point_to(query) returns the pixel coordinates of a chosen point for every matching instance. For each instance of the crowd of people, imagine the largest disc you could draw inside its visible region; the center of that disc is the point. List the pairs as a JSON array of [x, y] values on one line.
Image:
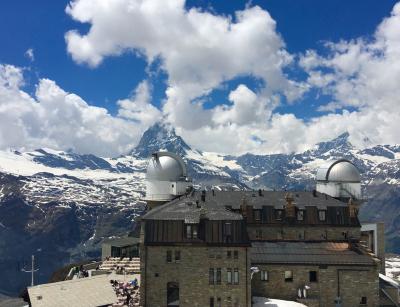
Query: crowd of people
[[127, 293]]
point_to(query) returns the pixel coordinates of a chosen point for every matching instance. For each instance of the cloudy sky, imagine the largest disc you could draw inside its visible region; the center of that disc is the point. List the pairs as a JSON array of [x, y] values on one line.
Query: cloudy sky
[[232, 77]]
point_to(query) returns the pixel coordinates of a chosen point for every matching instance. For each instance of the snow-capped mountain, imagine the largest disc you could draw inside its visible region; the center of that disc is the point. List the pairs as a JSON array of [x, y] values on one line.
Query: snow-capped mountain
[[61, 205]]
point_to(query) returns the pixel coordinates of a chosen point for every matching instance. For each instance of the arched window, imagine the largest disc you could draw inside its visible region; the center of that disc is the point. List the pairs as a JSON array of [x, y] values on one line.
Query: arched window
[[173, 294]]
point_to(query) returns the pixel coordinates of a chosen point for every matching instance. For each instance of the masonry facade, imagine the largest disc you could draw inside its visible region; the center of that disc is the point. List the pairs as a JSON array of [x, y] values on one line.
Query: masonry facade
[[219, 248]]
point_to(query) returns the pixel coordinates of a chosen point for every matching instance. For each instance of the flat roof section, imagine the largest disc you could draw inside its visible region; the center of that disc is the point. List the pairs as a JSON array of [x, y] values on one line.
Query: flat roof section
[[328, 253], [121, 242], [83, 292]]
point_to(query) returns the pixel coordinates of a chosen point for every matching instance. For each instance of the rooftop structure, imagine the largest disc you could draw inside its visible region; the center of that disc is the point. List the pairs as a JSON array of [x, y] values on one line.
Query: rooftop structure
[[339, 179], [166, 178], [120, 247]]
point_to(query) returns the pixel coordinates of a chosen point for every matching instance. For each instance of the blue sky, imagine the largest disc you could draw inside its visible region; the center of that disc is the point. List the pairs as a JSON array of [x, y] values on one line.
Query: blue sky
[[301, 26]]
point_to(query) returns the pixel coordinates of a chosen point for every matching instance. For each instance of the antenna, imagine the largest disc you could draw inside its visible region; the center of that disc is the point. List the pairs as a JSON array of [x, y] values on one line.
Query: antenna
[[32, 270]]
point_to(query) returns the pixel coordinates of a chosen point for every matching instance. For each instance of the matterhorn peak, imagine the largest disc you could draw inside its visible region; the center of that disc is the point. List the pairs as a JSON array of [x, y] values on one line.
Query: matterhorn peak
[[160, 136]]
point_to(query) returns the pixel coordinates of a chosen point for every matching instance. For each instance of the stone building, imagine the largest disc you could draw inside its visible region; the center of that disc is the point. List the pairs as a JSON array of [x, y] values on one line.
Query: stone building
[[220, 248]]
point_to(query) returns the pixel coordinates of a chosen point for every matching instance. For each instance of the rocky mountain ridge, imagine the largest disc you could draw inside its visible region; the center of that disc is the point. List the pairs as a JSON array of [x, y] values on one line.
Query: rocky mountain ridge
[[60, 205]]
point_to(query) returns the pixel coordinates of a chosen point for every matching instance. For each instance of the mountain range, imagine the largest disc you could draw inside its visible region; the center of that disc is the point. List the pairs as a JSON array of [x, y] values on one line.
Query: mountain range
[[60, 205]]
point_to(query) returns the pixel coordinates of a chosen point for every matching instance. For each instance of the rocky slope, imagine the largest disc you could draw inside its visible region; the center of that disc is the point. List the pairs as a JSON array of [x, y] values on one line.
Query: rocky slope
[[61, 205]]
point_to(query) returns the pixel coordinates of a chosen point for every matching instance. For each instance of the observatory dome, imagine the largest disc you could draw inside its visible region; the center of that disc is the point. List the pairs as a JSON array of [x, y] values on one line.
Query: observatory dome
[[165, 168], [339, 171], [166, 178], [339, 179]]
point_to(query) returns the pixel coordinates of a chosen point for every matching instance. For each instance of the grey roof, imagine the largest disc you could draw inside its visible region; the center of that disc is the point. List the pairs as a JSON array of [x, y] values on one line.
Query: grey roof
[[120, 242], [307, 253], [83, 292], [185, 208], [339, 171], [276, 199], [165, 166], [214, 207]]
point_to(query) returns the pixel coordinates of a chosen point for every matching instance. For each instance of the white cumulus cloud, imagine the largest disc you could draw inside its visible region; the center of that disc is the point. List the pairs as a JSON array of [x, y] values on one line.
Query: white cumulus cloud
[[57, 119], [198, 50]]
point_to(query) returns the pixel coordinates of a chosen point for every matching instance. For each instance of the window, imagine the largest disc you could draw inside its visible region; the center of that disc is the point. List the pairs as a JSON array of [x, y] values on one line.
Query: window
[[313, 276], [264, 275], [228, 232], [191, 231], [218, 276], [169, 256], [257, 215], [363, 300], [188, 231], [177, 256], [322, 215], [339, 216], [278, 214], [211, 276], [288, 276], [229, 254], [300, 215], [228, 229], [229, 276], [236, 276], [211, 302], [236, 254]]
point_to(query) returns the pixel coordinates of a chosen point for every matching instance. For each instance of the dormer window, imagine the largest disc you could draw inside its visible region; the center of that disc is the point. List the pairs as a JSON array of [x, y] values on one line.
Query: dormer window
[[300, 215], [191, 231], [278, 214], [322, 215], [228, 232]]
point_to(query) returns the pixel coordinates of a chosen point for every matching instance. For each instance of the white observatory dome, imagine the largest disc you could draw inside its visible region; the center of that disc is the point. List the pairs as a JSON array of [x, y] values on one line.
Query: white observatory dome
[[165, 168], [339, 179], [339, 171], [166, 178]]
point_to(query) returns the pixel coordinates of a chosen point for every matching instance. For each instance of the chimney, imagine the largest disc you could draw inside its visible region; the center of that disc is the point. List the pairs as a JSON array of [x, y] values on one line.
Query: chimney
[[213, 192], [203, 195], [260, 192], [290, 207], [314, 193], [243, 206], [353, 208]]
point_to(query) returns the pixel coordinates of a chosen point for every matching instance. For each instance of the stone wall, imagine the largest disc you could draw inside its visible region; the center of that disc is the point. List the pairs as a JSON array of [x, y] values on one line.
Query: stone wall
[[302, 233], [354, 283], [192, 275]]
